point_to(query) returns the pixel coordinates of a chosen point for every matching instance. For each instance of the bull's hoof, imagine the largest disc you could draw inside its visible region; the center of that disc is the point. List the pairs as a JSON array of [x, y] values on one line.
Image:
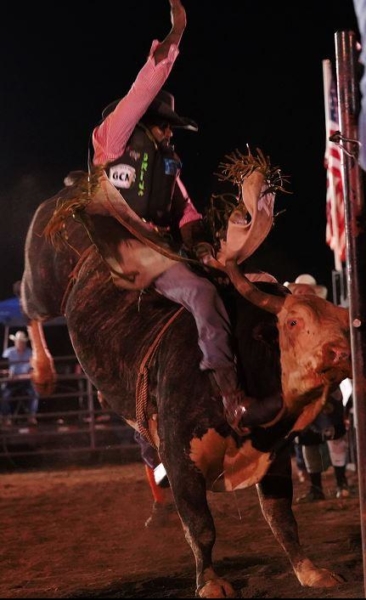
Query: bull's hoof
[[310, 576], [216, 588]]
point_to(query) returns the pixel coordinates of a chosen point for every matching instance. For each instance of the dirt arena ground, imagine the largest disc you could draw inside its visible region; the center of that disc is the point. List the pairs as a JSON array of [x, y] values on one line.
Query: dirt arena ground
[[79, 533]]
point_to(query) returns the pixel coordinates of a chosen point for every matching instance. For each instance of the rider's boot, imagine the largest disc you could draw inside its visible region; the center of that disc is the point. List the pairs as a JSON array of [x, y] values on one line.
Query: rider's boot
[[241, 411]]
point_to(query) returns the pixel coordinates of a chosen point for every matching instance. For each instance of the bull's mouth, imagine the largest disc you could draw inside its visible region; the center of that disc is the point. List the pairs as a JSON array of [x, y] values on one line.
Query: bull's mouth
[[311, 395], [327, 377], [302, 399]]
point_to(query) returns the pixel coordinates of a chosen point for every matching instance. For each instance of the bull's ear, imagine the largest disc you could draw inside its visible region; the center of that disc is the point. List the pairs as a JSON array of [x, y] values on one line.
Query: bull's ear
[[248, 290]]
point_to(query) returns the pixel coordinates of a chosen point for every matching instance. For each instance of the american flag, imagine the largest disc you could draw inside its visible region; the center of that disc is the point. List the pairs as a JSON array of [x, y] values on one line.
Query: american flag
[[335, 228]]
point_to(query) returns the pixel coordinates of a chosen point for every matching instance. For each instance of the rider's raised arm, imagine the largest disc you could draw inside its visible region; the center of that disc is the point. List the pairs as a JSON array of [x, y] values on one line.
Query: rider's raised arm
[[179, 22], [111, 136]]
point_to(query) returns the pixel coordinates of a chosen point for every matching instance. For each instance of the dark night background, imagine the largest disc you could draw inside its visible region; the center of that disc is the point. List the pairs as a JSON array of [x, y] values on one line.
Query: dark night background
[[248, 72]]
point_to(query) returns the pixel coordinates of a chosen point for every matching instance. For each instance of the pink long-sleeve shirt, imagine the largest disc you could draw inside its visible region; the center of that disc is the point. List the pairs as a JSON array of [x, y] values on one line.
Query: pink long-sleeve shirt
[[111, 136]]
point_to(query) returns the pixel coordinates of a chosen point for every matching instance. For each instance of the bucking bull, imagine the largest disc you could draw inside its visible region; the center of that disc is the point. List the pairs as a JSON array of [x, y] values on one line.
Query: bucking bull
[[140, 351]]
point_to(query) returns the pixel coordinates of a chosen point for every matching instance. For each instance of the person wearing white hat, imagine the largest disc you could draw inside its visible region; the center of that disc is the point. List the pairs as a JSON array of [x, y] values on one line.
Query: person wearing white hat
[[19, 336], [307, 284], [324, 443], [19, 359]]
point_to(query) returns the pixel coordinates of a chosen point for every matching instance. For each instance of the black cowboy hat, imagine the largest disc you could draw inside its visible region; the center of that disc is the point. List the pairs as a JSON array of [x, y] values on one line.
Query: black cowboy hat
[[163, 107]]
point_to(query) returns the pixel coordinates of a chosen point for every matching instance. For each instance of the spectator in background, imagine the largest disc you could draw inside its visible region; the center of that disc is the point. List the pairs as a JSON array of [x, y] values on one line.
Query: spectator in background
[[19, 359], [347, 392], [163, 511], [324, 444], [306, 284], [163, 505]]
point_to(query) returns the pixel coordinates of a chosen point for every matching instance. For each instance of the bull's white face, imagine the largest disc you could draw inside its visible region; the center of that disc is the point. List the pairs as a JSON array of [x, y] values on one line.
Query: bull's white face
[[315, 348]]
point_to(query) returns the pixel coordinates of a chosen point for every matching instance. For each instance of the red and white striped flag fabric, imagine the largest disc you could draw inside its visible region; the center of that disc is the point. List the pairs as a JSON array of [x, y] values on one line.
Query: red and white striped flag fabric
[[335, 234]]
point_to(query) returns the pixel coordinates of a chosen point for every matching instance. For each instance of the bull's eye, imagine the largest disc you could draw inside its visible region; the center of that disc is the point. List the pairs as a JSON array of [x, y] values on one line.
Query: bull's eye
[[296, 322]]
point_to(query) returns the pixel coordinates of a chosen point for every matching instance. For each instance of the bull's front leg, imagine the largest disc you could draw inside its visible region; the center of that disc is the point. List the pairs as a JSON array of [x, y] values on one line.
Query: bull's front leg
[[275, 496], [189, 490]]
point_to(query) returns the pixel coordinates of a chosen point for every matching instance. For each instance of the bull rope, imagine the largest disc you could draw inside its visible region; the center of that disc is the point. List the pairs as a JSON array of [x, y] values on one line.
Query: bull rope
[[142, 381]]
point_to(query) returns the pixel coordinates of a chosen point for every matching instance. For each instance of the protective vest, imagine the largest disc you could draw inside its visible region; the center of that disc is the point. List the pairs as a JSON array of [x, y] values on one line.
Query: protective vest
[[145, 174]]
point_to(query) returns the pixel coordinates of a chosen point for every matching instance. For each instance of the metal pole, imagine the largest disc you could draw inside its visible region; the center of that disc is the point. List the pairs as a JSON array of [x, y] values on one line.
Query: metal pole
[[6, 337], [89, 388], [348, 106]]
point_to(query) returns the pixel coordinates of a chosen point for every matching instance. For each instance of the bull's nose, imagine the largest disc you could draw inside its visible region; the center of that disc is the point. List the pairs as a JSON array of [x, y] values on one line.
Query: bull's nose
[[334, 353]]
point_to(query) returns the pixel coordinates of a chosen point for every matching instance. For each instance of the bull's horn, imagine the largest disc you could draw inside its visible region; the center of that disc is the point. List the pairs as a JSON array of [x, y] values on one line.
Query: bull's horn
[[246, 288]]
